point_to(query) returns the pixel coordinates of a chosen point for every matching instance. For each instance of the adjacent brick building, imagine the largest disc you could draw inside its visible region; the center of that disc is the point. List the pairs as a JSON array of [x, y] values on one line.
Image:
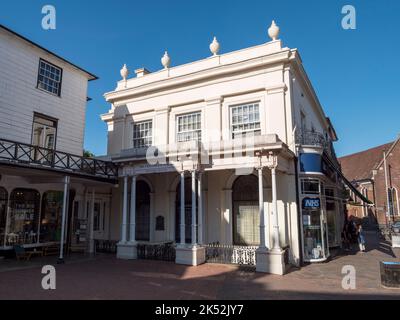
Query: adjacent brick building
[[366, 171]]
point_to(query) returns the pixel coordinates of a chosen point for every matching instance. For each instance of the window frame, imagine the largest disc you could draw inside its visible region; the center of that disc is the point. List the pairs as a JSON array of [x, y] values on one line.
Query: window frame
[[48, 118], [188, 114], [60, 81], [138, 123], [243, 133]]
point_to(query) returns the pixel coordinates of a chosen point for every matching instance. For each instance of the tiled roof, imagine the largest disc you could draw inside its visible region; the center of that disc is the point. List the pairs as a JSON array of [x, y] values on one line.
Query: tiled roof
[[359, 166]]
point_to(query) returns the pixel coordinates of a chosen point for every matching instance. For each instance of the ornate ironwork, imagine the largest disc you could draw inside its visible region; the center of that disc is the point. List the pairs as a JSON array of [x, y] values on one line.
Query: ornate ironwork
[[22, 153], [164, 251], [105, 246], [231, 254]]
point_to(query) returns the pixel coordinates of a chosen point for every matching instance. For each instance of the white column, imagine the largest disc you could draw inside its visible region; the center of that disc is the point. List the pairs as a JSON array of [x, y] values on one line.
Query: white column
[[91, 236], [200, 209], [275, 222], [182, 224], [132, 223], [124, 210], [63, 219], [263, 243], [194, 238]]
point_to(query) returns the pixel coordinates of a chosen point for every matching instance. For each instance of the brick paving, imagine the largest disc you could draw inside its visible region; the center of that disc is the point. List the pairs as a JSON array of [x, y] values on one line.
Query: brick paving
[[105, 277]]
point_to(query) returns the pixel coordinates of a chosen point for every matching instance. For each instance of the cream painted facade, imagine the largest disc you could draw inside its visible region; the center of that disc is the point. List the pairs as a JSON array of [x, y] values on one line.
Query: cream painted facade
[[269, 76]]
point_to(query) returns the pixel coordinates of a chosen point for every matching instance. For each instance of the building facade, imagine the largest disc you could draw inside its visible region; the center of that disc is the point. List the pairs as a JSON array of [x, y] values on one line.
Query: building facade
[[376, 174], [233, 150], [45, 182]]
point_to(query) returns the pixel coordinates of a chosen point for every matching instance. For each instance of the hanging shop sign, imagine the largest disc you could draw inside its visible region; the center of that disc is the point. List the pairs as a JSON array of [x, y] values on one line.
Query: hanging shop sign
[[311, 203]]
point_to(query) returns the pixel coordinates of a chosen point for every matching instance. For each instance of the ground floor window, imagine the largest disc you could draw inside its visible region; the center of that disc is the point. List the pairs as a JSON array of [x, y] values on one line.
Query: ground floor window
[[50, 226], [24, 216], [3, 213], [313, 235], [246, 217]]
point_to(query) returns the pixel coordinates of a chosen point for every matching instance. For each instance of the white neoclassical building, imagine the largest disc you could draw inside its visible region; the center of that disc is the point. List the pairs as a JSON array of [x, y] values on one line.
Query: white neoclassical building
[[229, 155]]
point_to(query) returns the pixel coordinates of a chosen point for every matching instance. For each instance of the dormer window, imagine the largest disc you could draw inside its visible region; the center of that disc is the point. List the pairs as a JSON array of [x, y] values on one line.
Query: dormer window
[[49, 77]]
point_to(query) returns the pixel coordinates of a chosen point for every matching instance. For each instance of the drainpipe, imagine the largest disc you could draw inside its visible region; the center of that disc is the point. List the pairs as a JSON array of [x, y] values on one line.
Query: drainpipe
[[299, 218]]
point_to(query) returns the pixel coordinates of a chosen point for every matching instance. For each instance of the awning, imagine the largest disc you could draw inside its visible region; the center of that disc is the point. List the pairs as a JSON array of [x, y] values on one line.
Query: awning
[[347, 182]]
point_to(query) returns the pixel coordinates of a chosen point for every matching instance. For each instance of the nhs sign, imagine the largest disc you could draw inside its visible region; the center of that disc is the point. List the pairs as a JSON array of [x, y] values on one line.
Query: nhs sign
[[311, 203]]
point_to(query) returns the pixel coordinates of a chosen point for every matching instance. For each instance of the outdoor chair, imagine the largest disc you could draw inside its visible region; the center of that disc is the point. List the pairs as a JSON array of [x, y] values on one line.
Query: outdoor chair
[[22, 254]]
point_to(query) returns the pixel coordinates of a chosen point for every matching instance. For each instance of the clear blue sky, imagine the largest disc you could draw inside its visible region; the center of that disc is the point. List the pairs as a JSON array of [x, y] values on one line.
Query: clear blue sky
[[355, 73]]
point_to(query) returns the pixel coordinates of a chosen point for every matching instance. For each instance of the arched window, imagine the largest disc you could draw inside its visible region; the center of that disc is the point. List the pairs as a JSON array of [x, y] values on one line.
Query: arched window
[[3, 213], [246, 217], [188, 211], [142, 211], [24, 216]]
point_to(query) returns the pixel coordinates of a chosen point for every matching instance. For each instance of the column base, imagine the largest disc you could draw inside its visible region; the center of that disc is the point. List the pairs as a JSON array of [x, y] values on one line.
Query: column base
[[190, 255], [270, 261], [126, 250]]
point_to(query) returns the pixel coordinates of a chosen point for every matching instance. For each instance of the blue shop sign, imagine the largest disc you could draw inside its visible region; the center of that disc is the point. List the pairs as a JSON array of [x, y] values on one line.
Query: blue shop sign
[[311, 203]]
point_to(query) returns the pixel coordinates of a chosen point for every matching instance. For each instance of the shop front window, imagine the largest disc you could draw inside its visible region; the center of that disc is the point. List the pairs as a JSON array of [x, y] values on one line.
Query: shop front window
[[50, 227], [3, 214], [24, 215], [314, 220]]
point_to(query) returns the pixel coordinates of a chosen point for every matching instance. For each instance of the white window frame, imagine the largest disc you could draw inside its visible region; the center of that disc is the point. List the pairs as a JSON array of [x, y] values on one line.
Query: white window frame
[[140, 141], [256, 122], [191, 133], [48, 80]]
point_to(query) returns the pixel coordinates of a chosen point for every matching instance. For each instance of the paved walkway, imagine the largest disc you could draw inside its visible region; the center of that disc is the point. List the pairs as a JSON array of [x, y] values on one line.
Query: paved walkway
[[105, 277]]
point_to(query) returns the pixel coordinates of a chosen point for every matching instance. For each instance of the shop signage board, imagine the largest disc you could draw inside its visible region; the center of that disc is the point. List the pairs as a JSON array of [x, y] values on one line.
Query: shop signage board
[[311, 203]]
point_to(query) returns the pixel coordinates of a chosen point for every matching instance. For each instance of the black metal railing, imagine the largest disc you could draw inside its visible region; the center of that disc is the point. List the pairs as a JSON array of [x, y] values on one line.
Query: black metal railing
[[316, 139], [310, 138], [105, 246], [163, 251], [231, 254], [22, 153]]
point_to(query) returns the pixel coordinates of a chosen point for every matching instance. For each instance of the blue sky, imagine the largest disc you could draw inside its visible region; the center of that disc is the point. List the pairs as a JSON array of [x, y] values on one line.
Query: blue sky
[[354, 72]]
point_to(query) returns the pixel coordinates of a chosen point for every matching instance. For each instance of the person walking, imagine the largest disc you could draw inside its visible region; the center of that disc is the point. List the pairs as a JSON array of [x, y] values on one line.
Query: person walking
[[361, 237]]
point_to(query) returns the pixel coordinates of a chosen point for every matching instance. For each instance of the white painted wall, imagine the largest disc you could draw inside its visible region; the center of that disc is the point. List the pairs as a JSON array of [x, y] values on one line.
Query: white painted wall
[[19, 97]]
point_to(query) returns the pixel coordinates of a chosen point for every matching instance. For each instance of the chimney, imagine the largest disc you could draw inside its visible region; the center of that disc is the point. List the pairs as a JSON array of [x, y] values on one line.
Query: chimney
[[141, 72]]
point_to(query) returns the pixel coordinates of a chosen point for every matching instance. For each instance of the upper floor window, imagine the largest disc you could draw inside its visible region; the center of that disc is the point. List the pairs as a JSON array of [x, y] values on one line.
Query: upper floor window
[[245, 118], [142, 134], [189, 127], [310, 186], [49, 77], [44, 131]]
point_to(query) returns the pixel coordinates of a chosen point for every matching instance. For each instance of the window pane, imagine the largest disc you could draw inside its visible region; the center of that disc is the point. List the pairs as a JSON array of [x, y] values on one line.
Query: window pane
[[49, 77]]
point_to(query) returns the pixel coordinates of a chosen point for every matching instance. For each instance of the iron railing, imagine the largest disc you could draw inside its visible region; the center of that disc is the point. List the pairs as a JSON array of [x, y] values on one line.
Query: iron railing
[[163, 251], [105, 246], [27, 154], [231, 254], [316, 139]]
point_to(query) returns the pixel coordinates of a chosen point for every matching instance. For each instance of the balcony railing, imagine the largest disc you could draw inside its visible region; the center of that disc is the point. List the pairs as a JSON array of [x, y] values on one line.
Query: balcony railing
[[27, 154], [194, 148]]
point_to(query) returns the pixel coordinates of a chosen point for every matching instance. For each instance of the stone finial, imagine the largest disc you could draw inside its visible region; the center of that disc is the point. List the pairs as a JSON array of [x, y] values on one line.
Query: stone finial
[[124, 72], [166, 60], [214, 46], [273, 31]]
